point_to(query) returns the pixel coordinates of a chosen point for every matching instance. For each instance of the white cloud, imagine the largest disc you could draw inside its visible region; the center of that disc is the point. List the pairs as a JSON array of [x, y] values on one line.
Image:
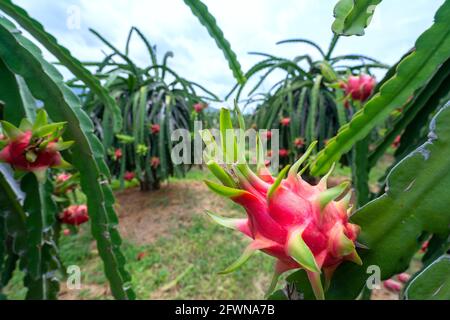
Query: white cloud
[[249, 25]]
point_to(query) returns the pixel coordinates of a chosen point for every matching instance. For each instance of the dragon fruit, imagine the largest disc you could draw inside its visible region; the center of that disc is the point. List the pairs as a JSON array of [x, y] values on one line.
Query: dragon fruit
[[403, 277], [75, 215], [128, 176], [155, 128], [299, 142], [199, 107], [34, 147], [155, 162], [301, 225], [359, 87], [285, 122], [118, 154], [283, 153], [393, 285]]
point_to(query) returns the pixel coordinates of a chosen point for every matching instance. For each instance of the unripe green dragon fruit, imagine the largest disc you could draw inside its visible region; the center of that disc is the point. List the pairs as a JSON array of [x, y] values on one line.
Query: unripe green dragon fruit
[[301, 225]]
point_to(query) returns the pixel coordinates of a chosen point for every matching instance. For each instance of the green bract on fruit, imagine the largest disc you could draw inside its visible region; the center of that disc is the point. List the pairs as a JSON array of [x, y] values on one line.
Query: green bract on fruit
[[299, 224], [34, 147]]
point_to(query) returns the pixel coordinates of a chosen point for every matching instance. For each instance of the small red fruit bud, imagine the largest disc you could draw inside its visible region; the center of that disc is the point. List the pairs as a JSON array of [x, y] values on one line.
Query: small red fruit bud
[[155, 128], [299, 142], [155, 162], [118, 154], [285, 122], [128, 176], [283, 153]]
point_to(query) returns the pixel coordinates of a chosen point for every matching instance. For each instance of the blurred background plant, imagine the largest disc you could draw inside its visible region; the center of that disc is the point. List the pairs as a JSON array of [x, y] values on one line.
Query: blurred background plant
[[153, 101]]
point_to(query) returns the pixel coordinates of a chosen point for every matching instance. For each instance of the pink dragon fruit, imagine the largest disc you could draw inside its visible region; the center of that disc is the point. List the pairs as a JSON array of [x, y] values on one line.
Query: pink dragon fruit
[[359, 87], [283, 153], [155, 128], [34, 148], [301, 225], [75, 215], [299, 142], [155, 162], [392, 285], [128, 176], [199, 107], [403, 277], [117, 154], [285, 122]]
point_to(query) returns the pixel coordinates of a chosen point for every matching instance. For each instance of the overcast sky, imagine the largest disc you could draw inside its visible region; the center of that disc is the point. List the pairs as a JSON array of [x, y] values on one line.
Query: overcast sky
[[249, 25]]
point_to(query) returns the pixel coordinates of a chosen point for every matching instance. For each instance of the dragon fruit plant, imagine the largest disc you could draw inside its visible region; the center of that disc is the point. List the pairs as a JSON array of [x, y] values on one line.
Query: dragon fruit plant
[[40, 117], [303, 226], [153, 101]]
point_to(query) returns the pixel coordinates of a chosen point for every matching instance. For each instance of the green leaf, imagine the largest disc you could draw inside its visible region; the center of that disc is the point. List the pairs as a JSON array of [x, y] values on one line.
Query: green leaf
[[13, 218], [427, 99], [206, 19], [63, 55], [414, 205], [432, 50], [10, 95], [353, 16], [47, 85], [360, 172], [432, 283], [43, 265]]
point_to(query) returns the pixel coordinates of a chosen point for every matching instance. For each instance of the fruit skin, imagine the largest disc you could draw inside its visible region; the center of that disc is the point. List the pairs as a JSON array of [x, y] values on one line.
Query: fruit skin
[[63, 177], [34, 147], [118, 154], [285, 122], [75, 215], [299, 142], [15, 154], [299, 224], [283, 153], [392, 285], [155, 128], [403, 277], [155, 162], [360, 87], [267, 135], [199, 107], [128, 176]]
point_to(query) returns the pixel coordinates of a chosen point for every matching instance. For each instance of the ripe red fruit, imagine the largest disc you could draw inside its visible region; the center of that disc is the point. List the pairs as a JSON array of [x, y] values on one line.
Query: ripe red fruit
[[283, 153], [155, 162], [359, 87], [199, 107], [403, 277], [118, 154], [66, 232], [299, 142], [15, 153], [301, 225], [140, 256], [63, 177], [267, 135], [34, 148], [75, 215], [285, 122], [128, 176], [393, 285], [425, 246], [397, 141], [155, 128]]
